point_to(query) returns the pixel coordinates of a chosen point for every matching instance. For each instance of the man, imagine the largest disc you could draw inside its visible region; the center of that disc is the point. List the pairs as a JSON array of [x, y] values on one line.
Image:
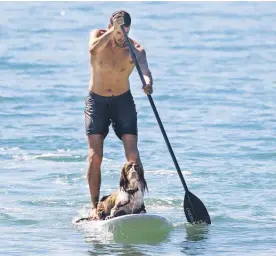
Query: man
[[110, 99]]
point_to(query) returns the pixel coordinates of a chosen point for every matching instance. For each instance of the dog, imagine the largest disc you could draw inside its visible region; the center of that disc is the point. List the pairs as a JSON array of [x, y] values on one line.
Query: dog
[[128, 198]]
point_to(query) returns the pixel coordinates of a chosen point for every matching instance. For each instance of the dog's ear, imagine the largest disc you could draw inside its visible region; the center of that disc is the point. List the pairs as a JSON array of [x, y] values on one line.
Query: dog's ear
[[123, 179], [139, 169]]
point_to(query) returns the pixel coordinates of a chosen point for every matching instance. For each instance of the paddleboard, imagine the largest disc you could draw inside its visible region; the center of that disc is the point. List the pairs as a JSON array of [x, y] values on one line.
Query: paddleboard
[[132, 228]]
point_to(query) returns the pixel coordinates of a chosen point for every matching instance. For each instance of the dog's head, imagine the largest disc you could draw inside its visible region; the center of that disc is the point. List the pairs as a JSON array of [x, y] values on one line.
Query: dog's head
[[132, 175]]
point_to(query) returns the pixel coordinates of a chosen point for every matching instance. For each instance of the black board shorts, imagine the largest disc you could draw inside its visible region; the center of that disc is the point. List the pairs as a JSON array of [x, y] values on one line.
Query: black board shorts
[[101, 111]]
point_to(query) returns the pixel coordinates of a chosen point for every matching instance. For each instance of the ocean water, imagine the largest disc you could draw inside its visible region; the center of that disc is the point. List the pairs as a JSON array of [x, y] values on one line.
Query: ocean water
[[214, 70]]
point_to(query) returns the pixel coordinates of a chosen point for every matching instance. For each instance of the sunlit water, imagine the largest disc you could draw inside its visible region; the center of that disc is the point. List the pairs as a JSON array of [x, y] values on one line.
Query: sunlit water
[[214, 67]]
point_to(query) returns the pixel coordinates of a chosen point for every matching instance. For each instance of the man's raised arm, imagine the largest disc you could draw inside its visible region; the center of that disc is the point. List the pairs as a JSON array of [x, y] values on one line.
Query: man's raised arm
[[99, 40]]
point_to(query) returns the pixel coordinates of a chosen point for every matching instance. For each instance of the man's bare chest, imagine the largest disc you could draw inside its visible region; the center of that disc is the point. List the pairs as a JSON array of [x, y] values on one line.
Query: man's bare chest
[[111, 59]]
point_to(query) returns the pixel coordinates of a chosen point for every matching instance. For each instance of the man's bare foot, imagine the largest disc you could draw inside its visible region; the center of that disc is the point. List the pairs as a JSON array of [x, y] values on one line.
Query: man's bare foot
[[93, 215]]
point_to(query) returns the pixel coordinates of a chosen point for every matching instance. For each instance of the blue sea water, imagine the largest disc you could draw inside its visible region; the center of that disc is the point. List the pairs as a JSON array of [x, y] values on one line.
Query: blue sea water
[[214, 69]]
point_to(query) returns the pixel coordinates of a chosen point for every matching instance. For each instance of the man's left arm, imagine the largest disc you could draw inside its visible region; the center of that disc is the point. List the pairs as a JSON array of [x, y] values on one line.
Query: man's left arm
[[143, 63]]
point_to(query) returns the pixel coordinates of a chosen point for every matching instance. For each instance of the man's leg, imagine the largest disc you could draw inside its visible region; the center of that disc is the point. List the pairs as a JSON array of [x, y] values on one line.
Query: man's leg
[[95, 156], [131, 149]]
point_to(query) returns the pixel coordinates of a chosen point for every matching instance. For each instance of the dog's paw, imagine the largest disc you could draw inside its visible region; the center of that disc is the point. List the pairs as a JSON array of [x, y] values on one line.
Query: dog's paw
[[109, 217]]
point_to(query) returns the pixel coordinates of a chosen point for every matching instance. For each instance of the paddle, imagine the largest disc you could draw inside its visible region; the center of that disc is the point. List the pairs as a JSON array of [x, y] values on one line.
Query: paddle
[[194, 209]]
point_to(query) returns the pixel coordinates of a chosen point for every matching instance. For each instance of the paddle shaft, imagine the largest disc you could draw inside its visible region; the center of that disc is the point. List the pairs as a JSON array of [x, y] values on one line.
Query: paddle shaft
[[155, 111]]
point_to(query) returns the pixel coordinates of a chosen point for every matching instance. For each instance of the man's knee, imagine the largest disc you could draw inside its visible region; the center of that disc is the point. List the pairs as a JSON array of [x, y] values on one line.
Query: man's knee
[[95, 158]]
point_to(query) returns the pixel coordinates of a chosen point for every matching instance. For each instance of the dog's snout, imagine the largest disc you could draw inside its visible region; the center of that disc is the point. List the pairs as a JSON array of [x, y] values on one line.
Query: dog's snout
[[133, 173]]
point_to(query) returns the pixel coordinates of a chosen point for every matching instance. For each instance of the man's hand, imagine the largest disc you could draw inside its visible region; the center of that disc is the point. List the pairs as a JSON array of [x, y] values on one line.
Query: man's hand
[[147, 89], [118, 20]]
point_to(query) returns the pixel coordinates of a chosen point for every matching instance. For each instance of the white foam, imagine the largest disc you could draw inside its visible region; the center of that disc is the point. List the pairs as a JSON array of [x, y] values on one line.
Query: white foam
[[166, 172], [60, 181], [10, 149], [13, 209]]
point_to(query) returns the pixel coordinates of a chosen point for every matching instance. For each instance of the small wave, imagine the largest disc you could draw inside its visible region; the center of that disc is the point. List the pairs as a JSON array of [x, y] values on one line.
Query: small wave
[[166, 172], [259, 156], [61, 181], [12, 209], [61, 178], [10, 153], [47, 202], [5, 150], [164, 203], [6, 216], [58, 157]]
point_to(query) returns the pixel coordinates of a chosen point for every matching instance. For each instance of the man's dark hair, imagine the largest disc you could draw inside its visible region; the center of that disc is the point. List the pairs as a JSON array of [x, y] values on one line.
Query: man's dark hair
[[127, 18]]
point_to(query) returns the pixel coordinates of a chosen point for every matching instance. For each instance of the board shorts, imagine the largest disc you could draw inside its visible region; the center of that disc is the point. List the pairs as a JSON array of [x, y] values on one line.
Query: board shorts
[[101, 111]]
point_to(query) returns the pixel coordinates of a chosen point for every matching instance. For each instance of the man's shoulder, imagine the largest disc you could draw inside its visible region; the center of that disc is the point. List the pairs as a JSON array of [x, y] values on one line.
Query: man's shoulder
[[97, 32]]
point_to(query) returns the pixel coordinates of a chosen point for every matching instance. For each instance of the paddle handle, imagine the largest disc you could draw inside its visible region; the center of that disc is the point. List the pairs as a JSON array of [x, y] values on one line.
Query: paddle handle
[[155, 111]]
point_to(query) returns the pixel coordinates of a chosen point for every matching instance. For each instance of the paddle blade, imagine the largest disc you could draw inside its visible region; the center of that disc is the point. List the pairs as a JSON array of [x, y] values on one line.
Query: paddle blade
[[195, 210]]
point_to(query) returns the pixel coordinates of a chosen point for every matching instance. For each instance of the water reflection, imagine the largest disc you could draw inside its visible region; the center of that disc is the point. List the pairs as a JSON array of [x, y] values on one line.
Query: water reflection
[[196, 236], [117, 236], [197, 232], [115, 249]]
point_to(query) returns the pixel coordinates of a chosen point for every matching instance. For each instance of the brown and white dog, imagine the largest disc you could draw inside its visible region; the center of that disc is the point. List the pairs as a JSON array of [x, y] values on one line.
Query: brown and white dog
[[129, 198]]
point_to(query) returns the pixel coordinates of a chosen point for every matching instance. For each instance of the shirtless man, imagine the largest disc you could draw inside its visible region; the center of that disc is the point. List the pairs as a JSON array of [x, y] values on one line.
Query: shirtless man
[[110, 100]]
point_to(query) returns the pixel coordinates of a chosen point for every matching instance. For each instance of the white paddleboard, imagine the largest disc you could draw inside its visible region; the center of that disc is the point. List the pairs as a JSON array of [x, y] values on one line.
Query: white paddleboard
[[145, 228]]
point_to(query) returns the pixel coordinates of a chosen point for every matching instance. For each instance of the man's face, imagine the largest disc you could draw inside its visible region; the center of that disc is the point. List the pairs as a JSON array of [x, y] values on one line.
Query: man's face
[[119, 36]]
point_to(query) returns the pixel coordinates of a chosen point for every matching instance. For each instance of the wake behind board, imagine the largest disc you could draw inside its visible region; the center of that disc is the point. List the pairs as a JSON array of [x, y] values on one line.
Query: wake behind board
[[133, 228]]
